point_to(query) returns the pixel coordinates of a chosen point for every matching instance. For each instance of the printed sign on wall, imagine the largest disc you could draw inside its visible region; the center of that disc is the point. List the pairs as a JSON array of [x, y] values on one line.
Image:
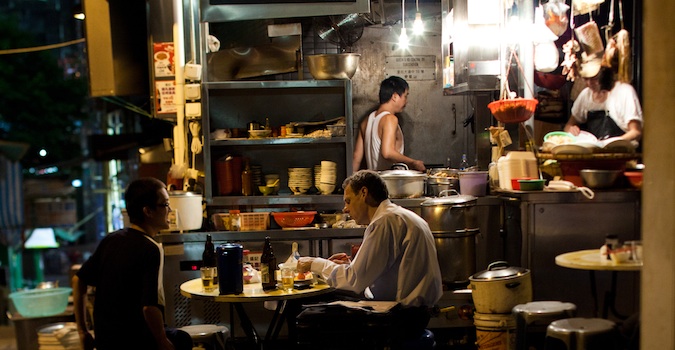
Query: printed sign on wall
[[165, 92], [411, 67], [163, 60]]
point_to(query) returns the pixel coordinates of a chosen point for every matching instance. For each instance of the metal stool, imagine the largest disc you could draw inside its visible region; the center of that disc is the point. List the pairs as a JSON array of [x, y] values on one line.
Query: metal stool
[[533, 318], [582, 334], [208, 336]]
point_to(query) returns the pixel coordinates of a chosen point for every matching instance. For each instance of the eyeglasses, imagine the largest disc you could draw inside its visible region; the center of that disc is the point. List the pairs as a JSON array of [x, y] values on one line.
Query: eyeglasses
[[165, 205]]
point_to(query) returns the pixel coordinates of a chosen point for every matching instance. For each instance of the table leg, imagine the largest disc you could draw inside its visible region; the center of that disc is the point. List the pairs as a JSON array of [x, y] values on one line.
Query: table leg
[[594, 292], [276, 323], [611, 296], [247, 325]]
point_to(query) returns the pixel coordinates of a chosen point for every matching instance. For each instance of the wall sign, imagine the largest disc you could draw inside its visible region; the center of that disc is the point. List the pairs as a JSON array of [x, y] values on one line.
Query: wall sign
[[411, 67], [165, 91], [163, 60]]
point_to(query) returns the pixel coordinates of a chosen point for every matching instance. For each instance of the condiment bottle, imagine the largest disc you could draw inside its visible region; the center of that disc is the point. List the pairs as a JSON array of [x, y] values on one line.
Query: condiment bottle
[[209, 256], [268, 263], [247, 180], [235, 220], [464, 164]]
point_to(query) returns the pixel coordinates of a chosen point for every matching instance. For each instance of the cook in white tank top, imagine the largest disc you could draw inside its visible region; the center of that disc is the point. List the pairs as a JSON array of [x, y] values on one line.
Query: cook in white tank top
[[373, 143]]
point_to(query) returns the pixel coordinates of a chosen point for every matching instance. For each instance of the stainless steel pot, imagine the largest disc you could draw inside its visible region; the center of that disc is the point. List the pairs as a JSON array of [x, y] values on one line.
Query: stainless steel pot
[[501, 287], [441, 179], [404, 183], [454, 224]]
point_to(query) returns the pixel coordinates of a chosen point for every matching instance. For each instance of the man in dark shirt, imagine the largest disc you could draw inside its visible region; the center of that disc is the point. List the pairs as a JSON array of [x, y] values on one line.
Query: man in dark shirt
[[126, 270]]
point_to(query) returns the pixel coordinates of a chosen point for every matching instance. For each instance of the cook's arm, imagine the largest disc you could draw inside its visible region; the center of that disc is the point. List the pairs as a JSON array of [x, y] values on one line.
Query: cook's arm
[[389, 124], [359, 151], [634, 131], [572, 127], [80, 310]]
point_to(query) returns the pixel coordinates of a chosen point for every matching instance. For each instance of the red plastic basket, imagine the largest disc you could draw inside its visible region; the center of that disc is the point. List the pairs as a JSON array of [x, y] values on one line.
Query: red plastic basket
[[514, 110], [294, 219]]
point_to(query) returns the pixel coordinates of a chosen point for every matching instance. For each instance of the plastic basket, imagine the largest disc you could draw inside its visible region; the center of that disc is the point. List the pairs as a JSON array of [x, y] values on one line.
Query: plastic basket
[[294, 219], [248, 221], [514, 110], [41, 302], [254, 221]]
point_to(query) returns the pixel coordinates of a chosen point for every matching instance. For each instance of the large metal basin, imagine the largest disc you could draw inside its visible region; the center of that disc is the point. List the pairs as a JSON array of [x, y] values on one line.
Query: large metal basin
[[333, 66]]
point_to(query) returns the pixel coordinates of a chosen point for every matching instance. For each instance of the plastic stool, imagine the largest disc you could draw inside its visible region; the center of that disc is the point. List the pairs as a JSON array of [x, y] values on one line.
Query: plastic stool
[[581, 334], [426, 341], [208, 336], [533, 318]]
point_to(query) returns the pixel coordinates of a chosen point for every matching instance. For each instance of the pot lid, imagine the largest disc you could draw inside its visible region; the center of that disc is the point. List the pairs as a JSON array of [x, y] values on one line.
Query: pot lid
[[402, 174], [500, 270], [455, 199]]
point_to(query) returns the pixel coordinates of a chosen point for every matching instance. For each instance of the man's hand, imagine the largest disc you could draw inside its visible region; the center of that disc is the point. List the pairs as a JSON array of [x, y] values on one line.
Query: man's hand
[[418, 165], [304, 264], [340, 258]]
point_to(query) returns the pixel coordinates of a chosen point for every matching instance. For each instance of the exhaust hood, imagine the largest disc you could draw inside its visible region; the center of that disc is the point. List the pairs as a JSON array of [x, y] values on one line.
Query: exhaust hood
[[237, 10]]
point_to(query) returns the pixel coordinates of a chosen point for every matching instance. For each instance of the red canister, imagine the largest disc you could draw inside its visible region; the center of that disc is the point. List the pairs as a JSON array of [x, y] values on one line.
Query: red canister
[[228, 175]]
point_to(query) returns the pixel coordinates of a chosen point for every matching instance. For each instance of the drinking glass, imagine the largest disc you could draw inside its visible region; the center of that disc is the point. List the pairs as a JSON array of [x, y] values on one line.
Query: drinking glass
[[287, 277], [208, 279]]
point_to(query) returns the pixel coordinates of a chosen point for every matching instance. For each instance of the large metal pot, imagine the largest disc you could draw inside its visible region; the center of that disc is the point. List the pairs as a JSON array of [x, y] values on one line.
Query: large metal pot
[[441, 179], [404, 183], [454, 224], [501, 287]]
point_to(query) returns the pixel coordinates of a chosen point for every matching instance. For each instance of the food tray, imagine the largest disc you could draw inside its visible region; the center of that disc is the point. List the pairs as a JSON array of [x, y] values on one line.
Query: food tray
[[294, 219], [514, 110]]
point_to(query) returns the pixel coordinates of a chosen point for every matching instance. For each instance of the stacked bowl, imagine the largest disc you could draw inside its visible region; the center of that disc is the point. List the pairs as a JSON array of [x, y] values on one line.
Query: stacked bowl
[[299, 180], [328, 177]]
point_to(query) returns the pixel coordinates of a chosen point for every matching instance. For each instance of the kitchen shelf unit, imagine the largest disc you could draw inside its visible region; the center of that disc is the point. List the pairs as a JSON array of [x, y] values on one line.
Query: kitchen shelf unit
[[234, 104]]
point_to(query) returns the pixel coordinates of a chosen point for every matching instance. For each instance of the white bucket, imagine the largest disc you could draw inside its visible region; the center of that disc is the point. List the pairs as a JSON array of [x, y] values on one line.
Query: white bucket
[[473, 183], [495, 331], [186, 211]]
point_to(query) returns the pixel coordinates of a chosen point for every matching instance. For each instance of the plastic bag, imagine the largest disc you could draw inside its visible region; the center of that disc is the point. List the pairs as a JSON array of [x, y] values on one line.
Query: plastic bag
[[555, 16]]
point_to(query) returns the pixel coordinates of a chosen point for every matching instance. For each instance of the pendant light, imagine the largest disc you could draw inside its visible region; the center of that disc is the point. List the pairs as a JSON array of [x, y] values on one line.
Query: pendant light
[[403, 39], [418, 25]]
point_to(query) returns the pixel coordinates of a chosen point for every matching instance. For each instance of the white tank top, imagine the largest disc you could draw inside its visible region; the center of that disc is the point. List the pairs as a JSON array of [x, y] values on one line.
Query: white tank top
[[372, 143]]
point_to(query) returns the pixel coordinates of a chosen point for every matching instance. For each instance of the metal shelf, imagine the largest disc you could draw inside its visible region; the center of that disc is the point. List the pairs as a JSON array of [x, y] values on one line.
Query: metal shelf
[[276, 200], [276, 141]]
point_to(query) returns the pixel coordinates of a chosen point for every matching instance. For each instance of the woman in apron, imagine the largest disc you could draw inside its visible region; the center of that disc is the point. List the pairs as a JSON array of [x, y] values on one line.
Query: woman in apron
[[606, 107]]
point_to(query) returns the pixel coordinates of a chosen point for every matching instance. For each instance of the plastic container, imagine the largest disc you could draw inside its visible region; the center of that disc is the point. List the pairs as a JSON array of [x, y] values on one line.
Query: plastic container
[[495, 331], [41, 302], [473, 183], [516, 165]]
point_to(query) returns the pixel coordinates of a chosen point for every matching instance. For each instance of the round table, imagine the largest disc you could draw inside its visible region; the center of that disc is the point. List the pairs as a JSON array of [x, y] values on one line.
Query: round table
[[591, 260], [254, 293]]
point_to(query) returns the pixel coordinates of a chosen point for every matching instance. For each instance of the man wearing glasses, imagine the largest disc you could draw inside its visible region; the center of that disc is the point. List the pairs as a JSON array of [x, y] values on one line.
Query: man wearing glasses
[[126, 271]]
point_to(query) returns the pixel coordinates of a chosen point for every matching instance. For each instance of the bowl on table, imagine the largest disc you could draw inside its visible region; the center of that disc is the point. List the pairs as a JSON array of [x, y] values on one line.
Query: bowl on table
[[635, 178], [531, 185], [599, 179]]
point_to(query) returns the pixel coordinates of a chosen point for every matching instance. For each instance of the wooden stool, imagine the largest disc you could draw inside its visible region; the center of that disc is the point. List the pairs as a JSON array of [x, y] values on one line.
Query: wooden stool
[[582, 334], [533, 318], [209, 336]]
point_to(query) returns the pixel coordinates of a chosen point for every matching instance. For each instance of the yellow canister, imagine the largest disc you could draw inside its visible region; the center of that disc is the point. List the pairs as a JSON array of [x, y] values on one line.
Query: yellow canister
[[495, 331]]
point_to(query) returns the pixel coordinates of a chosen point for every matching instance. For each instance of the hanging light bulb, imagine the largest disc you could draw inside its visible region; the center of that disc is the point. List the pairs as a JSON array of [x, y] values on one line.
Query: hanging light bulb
[[403, 39], [418, 25]]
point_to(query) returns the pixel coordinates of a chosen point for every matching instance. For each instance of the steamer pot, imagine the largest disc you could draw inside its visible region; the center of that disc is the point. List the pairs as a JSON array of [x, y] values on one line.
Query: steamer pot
[[404, 183], [501, 287], [186, 211], [454, 225]]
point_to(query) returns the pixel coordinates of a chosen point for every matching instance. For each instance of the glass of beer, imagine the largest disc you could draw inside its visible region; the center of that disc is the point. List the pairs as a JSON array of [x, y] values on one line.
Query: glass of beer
[[287, 277], [208, 279]]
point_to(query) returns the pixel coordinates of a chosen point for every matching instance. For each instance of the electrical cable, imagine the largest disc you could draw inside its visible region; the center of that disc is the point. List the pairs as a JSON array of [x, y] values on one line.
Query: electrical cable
[[42, 48]]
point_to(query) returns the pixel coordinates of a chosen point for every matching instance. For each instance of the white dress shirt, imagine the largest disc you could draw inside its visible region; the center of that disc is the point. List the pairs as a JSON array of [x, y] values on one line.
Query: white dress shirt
[[397, 260]]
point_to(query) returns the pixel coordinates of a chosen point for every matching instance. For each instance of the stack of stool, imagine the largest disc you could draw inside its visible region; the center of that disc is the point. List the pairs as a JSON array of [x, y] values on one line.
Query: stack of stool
[[533, 318], [208, 336], [582, 334]]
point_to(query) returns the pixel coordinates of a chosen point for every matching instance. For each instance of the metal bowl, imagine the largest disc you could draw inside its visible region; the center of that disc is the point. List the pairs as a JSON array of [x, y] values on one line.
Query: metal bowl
[[333, 66], [599, 178]]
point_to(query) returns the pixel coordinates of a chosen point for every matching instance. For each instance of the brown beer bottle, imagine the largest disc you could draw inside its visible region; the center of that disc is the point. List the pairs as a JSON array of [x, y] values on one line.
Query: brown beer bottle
[[268, 266], [209, 256]]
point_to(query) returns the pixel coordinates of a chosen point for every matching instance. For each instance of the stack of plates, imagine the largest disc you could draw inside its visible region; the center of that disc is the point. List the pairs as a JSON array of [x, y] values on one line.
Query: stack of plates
[[59, 336], [328, 177], [299, 180], [317, 176], [256, 176]]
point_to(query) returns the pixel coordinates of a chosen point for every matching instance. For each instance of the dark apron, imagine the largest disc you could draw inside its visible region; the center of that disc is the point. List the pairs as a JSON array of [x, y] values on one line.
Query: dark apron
[[600, 124]]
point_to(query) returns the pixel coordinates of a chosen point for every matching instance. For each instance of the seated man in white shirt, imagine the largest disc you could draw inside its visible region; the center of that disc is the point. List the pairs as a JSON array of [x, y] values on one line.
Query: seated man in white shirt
[[397, 259]]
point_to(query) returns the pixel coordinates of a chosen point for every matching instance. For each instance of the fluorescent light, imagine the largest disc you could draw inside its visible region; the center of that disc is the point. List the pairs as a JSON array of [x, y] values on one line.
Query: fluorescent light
[[418, 25]]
